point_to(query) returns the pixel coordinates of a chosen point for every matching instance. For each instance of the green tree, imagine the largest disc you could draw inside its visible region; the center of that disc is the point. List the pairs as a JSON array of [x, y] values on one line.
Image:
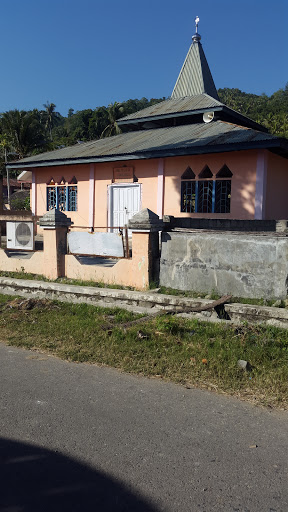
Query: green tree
[[98, 122], [52, 118], [77, 125], [114, 111], [23, 131]]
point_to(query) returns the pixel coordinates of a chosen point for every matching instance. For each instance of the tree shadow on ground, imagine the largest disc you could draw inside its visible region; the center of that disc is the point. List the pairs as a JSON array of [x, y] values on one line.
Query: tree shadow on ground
[[35, 479]]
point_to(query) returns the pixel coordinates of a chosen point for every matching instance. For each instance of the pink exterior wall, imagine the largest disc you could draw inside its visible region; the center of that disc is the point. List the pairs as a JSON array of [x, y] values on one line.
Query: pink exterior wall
[[145, 170], [132, 272], [81, 172], [33, 265], [243, 167], [52, 263], [277, 187]]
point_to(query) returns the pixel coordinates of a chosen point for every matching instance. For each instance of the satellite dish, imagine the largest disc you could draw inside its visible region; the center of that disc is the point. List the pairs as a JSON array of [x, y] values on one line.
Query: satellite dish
[[208, 117]]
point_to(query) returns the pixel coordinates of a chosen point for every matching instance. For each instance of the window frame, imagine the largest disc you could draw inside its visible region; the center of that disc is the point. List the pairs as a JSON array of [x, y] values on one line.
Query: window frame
[[195, 187], [61, 195]]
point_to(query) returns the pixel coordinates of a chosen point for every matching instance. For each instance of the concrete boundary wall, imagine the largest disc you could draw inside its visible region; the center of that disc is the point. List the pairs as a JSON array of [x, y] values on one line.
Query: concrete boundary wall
[[226, 224], [143, 302], [53, 262], [253, 265]]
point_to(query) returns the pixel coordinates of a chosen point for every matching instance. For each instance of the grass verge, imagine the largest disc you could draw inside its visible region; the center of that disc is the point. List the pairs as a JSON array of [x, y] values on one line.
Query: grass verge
[[176, 349]]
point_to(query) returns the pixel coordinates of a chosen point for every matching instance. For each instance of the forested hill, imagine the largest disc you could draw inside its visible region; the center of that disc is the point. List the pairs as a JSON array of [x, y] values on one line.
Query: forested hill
[[270, 111], [23, 133]]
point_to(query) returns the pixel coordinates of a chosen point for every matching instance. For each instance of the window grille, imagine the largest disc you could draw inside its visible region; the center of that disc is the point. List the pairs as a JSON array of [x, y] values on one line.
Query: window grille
[[206, 195], [188, 196], [62, 197], [61, 193], [223, 196], [72, 198], [51, 198]]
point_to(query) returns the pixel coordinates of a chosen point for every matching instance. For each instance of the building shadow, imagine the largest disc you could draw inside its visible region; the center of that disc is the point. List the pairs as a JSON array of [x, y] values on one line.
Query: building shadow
[[34, 479]]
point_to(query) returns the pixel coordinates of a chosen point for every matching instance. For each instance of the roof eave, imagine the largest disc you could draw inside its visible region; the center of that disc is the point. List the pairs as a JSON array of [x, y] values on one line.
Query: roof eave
[[245, 119], [185, 113], [280, 146]]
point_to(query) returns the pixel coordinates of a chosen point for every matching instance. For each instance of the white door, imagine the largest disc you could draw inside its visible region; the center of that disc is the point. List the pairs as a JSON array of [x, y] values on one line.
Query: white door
[[124, 203]]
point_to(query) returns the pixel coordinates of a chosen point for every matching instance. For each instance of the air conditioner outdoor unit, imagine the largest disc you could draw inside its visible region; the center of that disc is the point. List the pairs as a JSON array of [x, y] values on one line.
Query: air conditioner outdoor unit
[[20, 235]]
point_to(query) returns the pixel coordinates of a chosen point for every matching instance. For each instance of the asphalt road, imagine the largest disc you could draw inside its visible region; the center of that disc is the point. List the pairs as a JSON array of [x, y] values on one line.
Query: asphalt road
[[76, 437]]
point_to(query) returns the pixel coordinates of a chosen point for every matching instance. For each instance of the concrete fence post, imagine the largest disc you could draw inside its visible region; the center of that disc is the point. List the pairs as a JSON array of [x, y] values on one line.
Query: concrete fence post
[[55, 225], [145, 227]]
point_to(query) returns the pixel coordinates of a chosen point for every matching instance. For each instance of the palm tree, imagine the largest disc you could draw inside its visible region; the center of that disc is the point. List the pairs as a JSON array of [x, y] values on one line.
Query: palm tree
[[115, 111], [52, 118], [23, 131]]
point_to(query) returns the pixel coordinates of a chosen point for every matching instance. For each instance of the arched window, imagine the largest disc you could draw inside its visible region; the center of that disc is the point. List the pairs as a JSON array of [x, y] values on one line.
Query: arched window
[[72, 194], [224, 172], [205, 173], [223, 190], [188, 174], [51, 194], [188, 191], [206, 194], [61, 195]]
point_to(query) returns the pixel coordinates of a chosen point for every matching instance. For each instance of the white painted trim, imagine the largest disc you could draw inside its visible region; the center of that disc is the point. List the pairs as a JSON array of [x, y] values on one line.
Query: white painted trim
[[260, 189], [25, 176], [109, 208], [160, 188], [33, 194], [91, 196]]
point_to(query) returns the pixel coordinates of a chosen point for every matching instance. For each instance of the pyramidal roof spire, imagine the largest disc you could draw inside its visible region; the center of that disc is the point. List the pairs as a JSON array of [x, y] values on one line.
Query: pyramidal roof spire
[[195, 76]]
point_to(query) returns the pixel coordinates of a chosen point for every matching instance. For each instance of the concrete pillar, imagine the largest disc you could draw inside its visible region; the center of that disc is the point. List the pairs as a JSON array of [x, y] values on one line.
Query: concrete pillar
[[55, 225], [145, 226]]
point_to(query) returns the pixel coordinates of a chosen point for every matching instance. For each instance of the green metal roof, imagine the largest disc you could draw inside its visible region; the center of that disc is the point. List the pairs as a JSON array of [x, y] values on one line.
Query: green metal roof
[[195, 76], [187, 107], [197, 138], [170, 106]]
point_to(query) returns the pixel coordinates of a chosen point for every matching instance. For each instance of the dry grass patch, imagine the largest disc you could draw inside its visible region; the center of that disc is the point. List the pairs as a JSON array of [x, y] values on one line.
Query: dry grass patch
[[185, 351]]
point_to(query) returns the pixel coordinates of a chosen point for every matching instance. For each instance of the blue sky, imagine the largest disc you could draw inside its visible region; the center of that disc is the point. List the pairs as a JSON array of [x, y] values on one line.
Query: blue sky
[[88, 53]]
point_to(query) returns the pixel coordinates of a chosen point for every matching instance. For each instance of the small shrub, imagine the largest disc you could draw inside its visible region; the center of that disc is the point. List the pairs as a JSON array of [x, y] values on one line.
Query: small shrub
[[20, 204]]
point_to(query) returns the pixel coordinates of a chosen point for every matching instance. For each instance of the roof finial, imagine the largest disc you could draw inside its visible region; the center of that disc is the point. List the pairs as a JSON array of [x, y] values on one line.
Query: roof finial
[[196, 37]]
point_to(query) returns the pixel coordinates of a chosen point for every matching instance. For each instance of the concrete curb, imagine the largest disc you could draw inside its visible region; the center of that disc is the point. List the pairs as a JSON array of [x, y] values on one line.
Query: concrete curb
[[143, 302]]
